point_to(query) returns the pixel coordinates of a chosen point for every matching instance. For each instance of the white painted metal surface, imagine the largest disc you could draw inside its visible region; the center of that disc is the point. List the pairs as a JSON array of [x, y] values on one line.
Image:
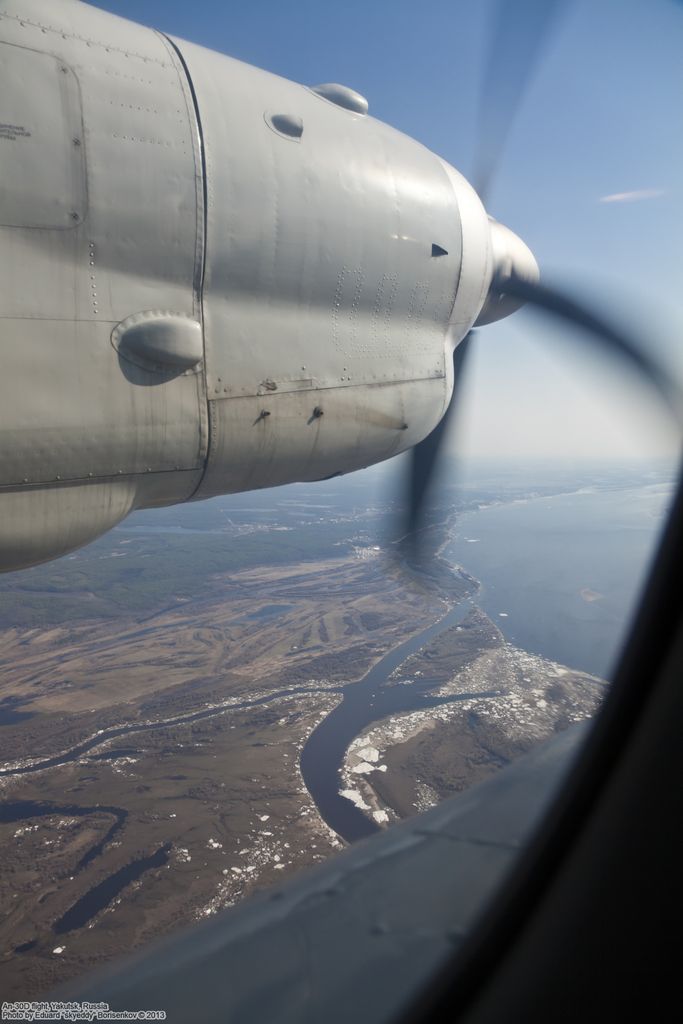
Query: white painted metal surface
[[211, 279]]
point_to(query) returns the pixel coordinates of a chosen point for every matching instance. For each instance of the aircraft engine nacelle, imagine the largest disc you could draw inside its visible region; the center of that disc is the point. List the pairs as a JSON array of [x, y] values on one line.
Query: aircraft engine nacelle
[[211, 279]]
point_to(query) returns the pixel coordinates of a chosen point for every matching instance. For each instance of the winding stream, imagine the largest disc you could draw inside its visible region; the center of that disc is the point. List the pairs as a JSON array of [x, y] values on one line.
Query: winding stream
[[363, 703], [101, 895], [374, 697], [19, 810], [125, 730]]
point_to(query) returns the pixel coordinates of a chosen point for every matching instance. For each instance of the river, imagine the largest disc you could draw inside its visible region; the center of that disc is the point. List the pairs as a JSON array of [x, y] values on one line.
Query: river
[[363, 703], [560, 576]]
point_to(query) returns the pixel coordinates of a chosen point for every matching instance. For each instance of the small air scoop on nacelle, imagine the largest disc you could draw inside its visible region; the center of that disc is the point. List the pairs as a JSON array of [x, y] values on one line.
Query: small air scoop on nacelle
[[510, 257]]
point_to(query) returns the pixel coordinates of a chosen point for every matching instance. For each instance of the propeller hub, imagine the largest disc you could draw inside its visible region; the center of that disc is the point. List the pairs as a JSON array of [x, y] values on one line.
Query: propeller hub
[[510, 257]]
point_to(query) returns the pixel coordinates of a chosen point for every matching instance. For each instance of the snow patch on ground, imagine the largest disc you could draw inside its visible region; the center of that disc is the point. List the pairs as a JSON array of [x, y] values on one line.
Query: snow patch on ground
[[356, 798]]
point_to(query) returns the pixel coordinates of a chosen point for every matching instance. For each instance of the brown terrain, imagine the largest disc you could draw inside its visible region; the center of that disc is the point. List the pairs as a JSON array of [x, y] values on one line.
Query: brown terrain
[[214, 687], [216, 805], [515, 700]]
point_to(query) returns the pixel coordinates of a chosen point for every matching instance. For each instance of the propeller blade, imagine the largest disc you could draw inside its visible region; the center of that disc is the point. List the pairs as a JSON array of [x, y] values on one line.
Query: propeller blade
[[614, 341], [425, 455], [519, 31]]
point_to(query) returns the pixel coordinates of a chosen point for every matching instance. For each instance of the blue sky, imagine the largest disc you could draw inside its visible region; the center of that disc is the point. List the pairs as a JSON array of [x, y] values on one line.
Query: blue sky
[[601, 117]]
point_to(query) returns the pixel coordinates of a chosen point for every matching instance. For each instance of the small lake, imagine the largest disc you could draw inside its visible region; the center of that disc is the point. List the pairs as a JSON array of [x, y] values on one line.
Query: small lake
[[9, 715]]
